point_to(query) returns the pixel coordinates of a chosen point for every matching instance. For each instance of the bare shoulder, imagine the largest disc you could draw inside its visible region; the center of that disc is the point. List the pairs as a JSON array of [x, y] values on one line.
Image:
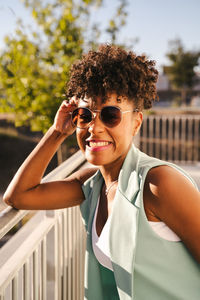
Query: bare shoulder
[[165, 187], [82, 175], [164, 171], [170, 197], [166, 178]]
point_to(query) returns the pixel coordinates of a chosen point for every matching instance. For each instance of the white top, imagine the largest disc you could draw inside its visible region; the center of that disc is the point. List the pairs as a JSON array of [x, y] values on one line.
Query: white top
[[164, 231], [101, 243]]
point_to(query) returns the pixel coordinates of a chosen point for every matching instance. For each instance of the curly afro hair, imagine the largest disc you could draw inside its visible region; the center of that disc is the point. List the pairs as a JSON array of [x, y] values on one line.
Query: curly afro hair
[[112, 69]]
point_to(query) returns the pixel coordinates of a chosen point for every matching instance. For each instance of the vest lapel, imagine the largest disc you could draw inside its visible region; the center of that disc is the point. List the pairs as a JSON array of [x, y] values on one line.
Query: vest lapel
[[123, 225]]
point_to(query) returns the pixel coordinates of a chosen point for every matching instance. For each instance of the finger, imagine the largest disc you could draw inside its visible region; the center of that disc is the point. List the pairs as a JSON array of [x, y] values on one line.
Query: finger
[[74, 100], [70, 103], [67, 107]]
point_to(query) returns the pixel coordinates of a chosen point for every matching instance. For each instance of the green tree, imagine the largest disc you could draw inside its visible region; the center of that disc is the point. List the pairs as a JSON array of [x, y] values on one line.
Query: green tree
[[181, 71], [34, 66]]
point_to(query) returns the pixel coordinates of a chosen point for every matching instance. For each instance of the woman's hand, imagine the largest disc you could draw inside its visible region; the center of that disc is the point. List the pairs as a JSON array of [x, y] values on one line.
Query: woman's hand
[[62, 121]]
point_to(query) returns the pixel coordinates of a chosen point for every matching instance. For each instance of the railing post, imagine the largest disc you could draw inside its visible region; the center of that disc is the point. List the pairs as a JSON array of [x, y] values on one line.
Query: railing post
[[26, 278], [52, 261], [44, 269], [15, 288]]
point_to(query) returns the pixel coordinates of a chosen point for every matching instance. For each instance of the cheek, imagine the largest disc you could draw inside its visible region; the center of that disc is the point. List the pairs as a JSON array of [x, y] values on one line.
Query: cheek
[[128, 128]]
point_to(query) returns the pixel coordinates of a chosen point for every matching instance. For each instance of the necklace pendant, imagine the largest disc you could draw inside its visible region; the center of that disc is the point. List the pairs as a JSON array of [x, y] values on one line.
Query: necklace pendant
[[109, 187]]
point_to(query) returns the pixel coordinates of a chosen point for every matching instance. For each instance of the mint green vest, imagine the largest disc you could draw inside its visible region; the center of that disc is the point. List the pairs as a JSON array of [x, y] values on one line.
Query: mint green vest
[[146, 266]]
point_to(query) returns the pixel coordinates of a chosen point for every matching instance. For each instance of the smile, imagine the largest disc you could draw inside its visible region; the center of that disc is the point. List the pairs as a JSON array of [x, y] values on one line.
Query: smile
[[98, 145]]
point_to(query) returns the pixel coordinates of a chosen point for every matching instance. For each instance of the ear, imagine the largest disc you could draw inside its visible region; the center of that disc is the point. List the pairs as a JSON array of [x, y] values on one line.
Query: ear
[[138, 118]]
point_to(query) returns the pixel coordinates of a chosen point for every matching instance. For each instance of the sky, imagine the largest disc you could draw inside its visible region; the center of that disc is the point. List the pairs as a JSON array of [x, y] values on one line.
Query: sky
[[153, 22]]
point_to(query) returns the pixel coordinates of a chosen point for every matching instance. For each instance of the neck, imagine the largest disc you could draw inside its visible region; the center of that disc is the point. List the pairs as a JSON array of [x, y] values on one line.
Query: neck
[[110, 173]]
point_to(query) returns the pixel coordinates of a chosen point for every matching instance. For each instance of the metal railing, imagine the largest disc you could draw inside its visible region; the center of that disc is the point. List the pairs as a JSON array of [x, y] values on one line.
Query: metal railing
[[44, 260], [171, 137]]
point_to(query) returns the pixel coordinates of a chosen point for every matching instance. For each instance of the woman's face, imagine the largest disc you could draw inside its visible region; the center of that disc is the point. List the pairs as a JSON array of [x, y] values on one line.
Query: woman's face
[[103, 145]]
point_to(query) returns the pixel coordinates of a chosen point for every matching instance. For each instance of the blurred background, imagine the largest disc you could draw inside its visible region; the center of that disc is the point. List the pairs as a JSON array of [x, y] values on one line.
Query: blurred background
[[39, 40]]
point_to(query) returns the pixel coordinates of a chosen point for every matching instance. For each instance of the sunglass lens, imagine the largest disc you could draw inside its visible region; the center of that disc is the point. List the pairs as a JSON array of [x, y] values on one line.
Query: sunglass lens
[[81, 117], [111, 116]]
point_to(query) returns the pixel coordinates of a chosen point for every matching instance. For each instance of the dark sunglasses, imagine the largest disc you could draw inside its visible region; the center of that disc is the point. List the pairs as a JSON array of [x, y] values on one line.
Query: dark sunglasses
[[111, 116]]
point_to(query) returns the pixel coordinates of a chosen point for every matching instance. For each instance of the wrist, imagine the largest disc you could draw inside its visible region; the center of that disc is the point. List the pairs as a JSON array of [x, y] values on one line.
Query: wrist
[[57, 134]]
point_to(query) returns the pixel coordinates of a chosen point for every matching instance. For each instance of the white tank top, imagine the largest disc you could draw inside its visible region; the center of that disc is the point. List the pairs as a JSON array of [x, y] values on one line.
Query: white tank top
[[101, 243]]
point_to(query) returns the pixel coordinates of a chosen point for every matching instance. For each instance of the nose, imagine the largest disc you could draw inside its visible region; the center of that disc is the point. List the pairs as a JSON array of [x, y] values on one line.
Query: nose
[[96, 124]]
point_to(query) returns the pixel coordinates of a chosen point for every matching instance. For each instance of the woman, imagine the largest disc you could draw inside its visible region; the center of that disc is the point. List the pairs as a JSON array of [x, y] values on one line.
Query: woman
[[142, 215]]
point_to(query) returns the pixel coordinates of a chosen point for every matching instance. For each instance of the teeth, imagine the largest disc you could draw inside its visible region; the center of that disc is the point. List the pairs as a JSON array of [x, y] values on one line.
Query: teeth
[[98, 144]]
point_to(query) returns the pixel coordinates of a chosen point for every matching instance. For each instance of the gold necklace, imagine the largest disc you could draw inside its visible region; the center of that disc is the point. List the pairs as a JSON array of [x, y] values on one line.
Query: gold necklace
[[109, 187]]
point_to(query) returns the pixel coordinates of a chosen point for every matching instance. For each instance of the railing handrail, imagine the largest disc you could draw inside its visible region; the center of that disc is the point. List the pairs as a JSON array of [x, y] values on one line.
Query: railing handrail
[[9, 216], [15, 248]]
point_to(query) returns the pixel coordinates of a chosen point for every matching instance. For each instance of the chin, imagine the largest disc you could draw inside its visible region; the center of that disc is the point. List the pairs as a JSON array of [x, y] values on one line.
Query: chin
[[96, 160]]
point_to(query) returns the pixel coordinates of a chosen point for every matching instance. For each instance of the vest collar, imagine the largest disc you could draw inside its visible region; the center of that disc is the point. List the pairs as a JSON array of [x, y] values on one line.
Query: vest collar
[[129, 184], [123, 224]]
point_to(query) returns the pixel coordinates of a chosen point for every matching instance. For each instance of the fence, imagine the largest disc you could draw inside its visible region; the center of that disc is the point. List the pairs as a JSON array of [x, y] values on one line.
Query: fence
[[172, 138], [44, 260]]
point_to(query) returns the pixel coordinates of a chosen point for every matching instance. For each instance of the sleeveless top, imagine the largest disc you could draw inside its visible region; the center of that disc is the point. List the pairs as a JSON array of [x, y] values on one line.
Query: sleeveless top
[[145, 266], [100, 243]]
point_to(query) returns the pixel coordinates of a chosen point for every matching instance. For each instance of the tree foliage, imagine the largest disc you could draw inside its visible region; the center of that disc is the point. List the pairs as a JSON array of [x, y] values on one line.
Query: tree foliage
[[181, 71], [34, 66]]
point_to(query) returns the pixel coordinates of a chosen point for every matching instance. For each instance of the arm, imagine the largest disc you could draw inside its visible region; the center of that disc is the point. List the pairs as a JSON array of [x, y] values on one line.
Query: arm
[[170, 197], [26, 191]]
